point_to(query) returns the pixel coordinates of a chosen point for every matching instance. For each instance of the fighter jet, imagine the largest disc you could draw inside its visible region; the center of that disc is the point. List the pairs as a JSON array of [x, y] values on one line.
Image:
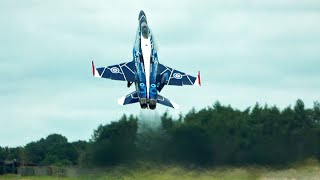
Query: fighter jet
[[145, 71]]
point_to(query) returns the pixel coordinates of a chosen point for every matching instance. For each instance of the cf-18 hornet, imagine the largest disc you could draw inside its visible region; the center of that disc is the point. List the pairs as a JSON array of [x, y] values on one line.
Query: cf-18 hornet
[[145, 72]]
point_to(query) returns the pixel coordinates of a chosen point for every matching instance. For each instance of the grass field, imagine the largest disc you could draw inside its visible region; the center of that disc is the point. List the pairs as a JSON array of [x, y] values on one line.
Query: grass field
[[308, 171]]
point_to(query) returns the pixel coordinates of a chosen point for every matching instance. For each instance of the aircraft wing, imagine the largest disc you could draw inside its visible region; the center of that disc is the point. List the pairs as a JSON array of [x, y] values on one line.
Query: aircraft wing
[[120, 72], [177, 78]]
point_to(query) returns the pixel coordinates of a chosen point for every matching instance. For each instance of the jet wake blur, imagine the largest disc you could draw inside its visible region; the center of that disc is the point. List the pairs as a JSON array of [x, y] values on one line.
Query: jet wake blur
[[145, 71]]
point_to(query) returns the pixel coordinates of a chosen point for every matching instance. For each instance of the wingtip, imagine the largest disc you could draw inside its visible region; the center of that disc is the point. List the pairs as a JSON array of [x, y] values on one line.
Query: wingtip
[[93, 69], [197, 82], [199, 78], [95, 73], [175, 105], [121, 100]]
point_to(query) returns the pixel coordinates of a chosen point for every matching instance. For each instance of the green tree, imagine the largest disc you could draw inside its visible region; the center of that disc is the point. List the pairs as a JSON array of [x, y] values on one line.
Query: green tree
[[166, 121], [35, 151], [191, 144], [1, 154], [114, 143], [54, 150]]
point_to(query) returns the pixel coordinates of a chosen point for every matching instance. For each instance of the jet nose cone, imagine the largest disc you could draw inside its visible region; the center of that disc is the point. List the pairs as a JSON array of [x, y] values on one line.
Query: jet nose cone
[[141, 14]]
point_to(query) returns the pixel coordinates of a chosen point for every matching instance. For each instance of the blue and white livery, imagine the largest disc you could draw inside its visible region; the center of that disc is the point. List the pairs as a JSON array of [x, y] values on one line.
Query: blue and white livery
[[145, 71]]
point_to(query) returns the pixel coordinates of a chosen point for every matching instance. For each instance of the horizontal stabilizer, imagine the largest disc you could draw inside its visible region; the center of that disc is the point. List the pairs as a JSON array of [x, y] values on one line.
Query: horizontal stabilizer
[[129, 99], [166, 102]]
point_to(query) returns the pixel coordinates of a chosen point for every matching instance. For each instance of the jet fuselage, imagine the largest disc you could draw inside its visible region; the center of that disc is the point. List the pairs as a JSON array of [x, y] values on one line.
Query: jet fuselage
[[146, 61]]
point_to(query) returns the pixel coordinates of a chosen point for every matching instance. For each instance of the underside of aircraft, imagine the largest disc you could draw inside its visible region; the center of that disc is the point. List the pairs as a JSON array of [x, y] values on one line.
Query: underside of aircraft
[[145, 72]]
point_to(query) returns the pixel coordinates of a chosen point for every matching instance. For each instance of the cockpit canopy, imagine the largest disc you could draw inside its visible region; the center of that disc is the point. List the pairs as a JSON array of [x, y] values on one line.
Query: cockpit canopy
[[145, 30]]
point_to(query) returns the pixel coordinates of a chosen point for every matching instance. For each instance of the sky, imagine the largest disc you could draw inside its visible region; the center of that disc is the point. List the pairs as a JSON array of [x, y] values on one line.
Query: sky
[[248, 51]]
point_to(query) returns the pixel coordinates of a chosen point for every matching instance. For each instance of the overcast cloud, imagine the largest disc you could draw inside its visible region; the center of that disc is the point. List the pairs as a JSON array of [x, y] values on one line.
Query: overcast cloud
[[248, 51]]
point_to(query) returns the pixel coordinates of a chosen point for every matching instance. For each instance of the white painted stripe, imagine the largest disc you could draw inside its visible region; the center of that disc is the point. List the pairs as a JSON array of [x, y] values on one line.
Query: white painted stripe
[[103, 71], [146, 53], [170, 76]]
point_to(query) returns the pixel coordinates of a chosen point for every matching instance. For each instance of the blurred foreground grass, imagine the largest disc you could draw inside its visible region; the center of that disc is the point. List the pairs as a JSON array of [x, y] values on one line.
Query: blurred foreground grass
[[309, 170]]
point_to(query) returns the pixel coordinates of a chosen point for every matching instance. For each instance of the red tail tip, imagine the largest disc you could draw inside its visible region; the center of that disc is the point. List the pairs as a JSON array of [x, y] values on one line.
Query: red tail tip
[[93, 69], [199, 78]]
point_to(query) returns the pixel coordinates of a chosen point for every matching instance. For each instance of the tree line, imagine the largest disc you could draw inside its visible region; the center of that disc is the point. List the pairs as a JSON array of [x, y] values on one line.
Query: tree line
[[215, 135]]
